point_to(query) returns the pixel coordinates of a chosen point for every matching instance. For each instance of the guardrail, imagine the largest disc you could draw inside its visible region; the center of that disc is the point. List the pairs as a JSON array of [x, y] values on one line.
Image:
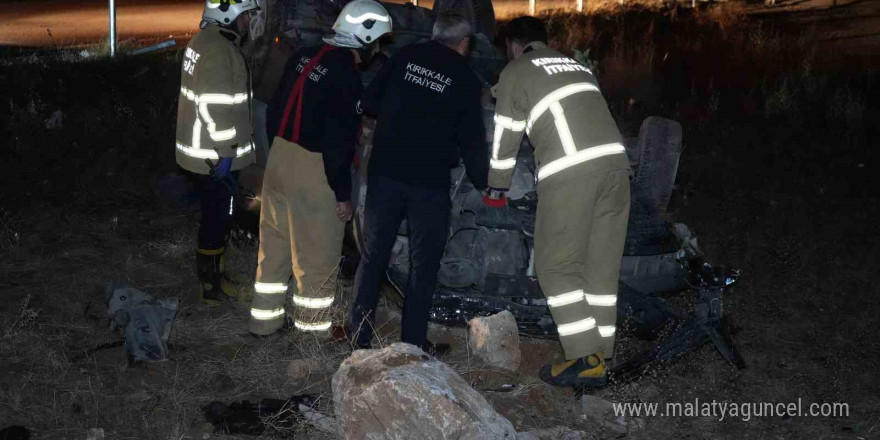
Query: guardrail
[[112, 37], [112, 28]]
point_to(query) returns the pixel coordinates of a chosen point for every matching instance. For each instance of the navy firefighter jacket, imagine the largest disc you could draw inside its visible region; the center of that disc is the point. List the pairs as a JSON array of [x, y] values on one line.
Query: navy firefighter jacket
[[427, 103], [331, 114]]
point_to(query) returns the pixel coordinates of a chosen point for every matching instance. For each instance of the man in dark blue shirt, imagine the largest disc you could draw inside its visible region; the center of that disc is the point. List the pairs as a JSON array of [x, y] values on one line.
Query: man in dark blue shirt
[[427, 102]]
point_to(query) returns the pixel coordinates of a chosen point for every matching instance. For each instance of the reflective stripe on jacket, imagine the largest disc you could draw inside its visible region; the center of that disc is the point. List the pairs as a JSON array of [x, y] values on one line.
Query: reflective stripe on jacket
[[557, 102], [214, 115]]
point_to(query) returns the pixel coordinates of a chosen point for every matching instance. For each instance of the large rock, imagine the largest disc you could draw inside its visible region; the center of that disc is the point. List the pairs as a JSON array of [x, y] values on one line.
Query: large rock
[[495, 340], [400, 392]]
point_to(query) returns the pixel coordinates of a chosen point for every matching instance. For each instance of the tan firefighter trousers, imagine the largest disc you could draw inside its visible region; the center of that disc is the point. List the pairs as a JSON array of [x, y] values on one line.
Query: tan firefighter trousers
[[299, 234], [580, 232]]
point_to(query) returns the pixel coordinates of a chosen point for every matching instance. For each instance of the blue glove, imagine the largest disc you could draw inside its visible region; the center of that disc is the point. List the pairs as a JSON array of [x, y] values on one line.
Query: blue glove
[[221, 170]]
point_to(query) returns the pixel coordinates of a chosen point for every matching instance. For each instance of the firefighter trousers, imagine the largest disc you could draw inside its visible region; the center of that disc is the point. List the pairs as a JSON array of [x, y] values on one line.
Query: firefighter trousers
[[300, 235], [580, 233]]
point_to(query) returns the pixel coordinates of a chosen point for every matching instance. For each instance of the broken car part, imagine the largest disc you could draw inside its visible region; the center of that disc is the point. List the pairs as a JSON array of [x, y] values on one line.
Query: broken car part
[[145, 323], [488, 262]]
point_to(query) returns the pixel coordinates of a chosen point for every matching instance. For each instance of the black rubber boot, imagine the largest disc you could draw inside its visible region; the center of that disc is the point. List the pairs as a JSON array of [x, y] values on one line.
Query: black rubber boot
[[209, 268]]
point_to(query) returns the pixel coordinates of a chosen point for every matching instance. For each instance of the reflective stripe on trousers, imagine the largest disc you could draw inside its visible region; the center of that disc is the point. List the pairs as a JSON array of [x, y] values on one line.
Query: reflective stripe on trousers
[[576, 298], [299, 236], [267, 307], [579, 237]]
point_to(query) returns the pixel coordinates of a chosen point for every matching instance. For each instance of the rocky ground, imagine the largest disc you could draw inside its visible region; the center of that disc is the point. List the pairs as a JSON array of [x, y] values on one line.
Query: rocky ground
[[778, 178]]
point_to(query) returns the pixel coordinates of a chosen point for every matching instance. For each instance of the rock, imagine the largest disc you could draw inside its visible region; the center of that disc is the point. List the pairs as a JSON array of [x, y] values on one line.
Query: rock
[[95, 434], [557, 433], [138, 397], [495, 340], [301, 369], [400, 392], [55, 121], [323, 422], [600, 412]]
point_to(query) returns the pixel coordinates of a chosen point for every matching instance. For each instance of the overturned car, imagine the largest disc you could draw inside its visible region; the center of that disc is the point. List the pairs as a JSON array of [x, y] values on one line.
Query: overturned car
[[488, 264]]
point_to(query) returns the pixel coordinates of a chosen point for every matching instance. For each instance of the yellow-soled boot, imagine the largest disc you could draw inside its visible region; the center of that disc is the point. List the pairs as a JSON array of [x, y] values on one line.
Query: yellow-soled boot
[[588, 371], [234, 287]]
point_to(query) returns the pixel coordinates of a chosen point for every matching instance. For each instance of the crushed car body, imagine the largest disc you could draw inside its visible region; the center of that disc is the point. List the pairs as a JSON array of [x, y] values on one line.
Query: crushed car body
[[488, 262]]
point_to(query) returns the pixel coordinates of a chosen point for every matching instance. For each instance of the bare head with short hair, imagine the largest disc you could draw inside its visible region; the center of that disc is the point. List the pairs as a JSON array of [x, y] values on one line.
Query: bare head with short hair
[[453, 31], [522, 31]]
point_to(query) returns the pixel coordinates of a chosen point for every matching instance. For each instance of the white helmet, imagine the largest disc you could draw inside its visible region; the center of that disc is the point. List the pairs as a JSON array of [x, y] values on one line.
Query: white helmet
[[360, 24], [224, 12]]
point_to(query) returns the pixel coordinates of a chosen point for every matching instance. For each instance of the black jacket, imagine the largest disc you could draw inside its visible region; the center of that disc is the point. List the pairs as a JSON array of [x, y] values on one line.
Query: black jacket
[[427, 101], [331, 112]]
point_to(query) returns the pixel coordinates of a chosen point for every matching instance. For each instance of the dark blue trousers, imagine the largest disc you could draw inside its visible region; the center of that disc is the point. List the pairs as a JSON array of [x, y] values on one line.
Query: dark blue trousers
[[427, 214], [217, 209]]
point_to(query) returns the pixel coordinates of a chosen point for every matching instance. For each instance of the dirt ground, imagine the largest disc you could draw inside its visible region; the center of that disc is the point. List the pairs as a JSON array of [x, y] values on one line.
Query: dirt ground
[[785, 189]]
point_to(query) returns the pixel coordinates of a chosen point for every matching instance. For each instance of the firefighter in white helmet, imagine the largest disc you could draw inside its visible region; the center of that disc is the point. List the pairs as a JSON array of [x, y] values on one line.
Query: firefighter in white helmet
[[215, 132], [315, 118]]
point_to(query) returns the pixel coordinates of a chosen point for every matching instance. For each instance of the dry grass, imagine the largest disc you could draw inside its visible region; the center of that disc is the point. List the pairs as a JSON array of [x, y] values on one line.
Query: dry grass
[[771, 182], [53, 371], [510, 9], [710, 63]]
